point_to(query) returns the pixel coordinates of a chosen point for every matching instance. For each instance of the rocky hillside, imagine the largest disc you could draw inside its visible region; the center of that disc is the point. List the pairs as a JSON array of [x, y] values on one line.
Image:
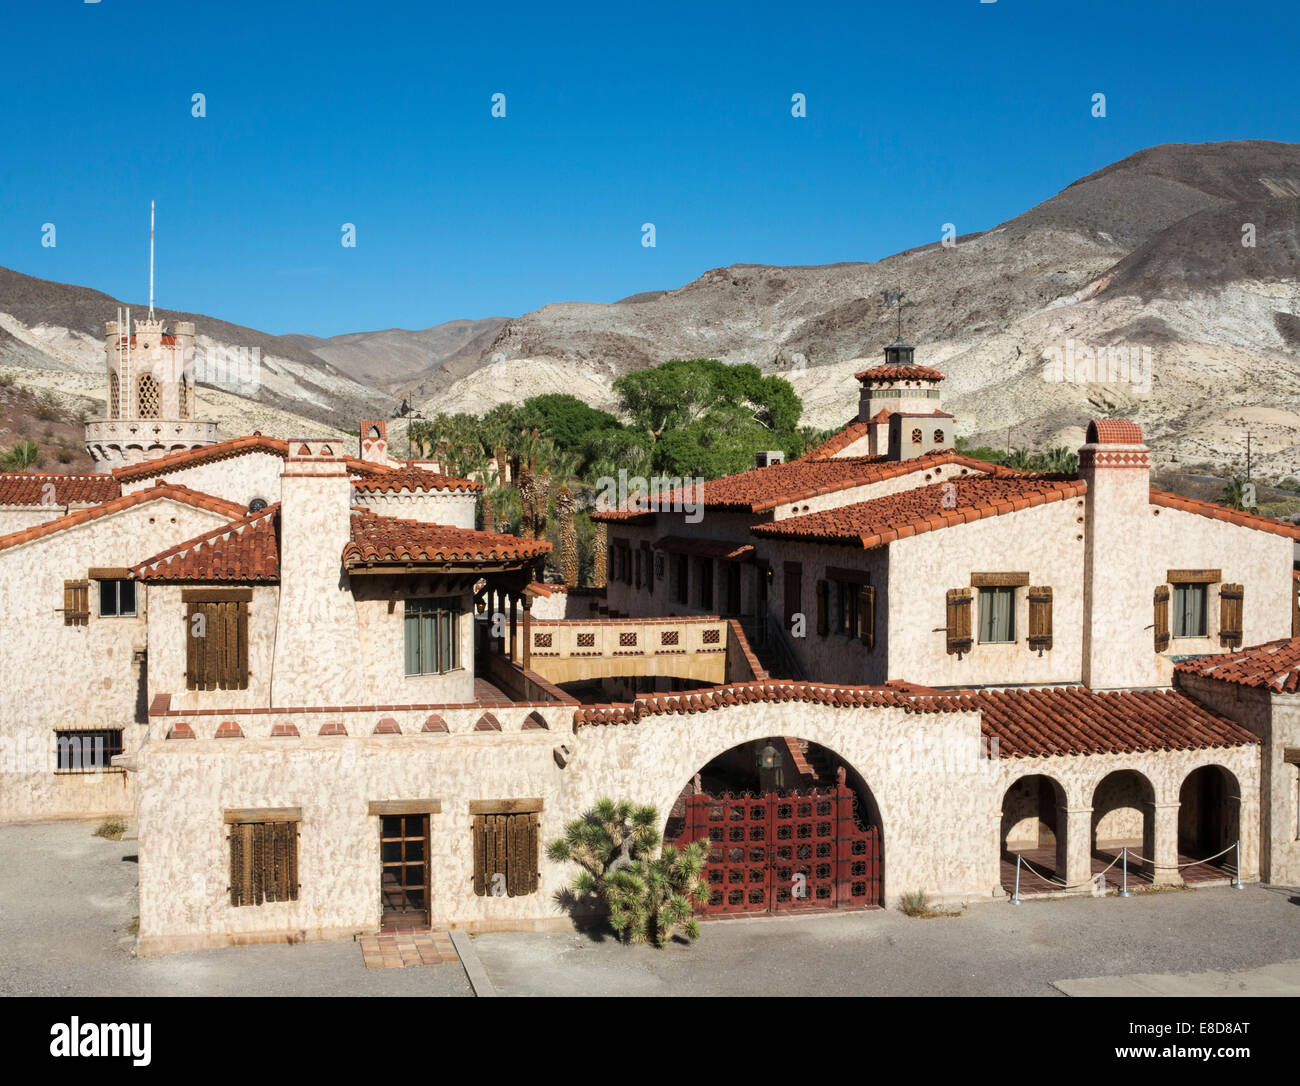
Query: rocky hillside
[[1145, 255]]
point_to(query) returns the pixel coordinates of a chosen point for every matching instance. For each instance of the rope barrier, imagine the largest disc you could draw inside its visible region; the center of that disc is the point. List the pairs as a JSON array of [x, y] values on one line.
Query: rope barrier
[[1067, 886], [1179, 867]]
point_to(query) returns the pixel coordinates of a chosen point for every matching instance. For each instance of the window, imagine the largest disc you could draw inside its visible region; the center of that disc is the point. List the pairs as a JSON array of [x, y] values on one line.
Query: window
[[997, 614], [216, 638], [432, 646], [263, 855], [846, 608], [916, 436], [116, 599], [149, 400], [938, 437], [88, 752], [706, 583], [76, 603], [506, 837], [1190, 610]]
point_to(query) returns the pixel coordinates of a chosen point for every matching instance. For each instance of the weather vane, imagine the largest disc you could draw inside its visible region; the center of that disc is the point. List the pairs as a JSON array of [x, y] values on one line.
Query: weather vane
[[895, 297]]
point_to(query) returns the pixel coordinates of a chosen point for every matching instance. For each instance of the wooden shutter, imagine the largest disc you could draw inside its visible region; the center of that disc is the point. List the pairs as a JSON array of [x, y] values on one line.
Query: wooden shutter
[[218, 659], [823, 620], [867, 615], [506, 844], [76, 603], [263, 862], [1040, 617], [959, 603], [1230, 596], [1161, 603]]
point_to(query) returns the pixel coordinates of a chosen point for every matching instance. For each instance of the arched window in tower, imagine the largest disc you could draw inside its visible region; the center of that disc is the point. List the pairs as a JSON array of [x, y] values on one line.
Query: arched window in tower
[[148, 397], [916, 436], [114, 396], [938, 437]]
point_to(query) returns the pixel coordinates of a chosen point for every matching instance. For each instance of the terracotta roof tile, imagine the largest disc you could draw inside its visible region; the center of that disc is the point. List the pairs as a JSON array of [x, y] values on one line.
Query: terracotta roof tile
[[245, 550], [923, 509], [1114, 432], [169, 491], [763, 489], [413, 478], [886, 372], [853, 431], [377, 539], [223, 450], [1273, 666], [1076, 720], [1221, 512], [18, 488]]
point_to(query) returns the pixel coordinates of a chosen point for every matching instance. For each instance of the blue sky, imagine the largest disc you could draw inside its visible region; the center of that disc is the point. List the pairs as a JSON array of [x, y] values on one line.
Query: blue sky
[[919, 112]]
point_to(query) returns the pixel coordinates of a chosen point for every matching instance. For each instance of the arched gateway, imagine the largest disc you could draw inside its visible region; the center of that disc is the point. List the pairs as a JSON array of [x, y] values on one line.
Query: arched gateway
[[791, 827]]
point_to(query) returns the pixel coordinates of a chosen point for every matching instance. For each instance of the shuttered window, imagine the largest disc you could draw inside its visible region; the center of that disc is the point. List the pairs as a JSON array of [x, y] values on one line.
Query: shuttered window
[[430, 629], [847, 595], [1230, 596], [997, 614], [76, 603], [1040, 618], [867, 615], [117, 599], [959, 603], [823, 621], [1191, 617], [505, 854], [263, 861], [1161, 604], [216, 644]]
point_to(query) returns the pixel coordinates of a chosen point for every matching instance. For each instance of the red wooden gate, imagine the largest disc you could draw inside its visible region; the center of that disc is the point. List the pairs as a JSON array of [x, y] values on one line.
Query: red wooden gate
[[785, 852]]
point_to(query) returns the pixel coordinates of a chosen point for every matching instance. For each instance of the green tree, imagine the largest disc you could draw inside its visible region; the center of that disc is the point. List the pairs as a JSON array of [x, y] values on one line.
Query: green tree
[[650, 892]]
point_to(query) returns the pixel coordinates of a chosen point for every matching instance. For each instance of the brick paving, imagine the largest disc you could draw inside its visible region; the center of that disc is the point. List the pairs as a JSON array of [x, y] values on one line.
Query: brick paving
[[1044, 860], [399, 949]]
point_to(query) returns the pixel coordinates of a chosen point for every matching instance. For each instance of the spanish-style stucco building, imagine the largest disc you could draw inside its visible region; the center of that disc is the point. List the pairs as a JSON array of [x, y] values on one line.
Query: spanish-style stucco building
[[331, 703]]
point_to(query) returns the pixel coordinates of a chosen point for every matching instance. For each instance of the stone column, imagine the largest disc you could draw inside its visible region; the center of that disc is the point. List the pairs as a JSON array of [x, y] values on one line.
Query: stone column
[[1163, 826], [528, 631], [1077, 846]]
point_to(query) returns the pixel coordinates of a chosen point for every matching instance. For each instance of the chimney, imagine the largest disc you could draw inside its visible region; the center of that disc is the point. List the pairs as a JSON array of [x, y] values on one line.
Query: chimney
[[374, 441], [1117, 648], [768, 458], [317, 641]]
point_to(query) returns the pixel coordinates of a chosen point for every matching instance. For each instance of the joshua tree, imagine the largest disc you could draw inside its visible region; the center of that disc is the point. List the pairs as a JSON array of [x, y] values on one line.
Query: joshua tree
[[650, 894]]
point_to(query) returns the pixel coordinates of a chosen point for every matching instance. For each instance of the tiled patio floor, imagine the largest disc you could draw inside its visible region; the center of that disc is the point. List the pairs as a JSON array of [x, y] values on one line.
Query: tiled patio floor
[[395, 950]]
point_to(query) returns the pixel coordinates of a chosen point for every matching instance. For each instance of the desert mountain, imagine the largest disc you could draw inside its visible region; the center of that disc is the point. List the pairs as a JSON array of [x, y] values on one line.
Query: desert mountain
[[1145, 256]]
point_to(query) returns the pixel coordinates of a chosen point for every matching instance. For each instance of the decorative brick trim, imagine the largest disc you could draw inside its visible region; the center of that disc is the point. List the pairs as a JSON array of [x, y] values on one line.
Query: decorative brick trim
[[388, 726], [534, 721], [334, 727], [180, 730], [229, 729], [487, 723], [435, 723], [285, 730]]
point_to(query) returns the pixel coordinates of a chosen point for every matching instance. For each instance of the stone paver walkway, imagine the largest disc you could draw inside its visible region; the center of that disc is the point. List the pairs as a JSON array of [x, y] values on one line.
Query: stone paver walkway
[[399, 949]]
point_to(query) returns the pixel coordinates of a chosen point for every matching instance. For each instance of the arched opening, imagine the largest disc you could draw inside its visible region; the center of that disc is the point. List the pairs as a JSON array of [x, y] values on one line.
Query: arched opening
[[791, 827], [1209, 807], [1033, 829], [114, 396], [1123, 817]]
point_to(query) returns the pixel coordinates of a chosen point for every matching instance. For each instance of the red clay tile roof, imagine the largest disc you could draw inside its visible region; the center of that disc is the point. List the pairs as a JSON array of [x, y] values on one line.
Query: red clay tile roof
[[171, 491], [853, 431], [388, 540], [886, 372], [223, 450], [776, 690], [923, 509], [413, 478], [1272, 666], [1076, 720], [17, 488], [703, 548], [1114, 432], [763, 489], [1220, 512], [1025, 723], [246, 550]]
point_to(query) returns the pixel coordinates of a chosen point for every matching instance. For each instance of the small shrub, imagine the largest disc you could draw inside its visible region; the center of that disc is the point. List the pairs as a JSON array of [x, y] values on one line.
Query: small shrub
[[913, 904], [111, 828], [45, 410]]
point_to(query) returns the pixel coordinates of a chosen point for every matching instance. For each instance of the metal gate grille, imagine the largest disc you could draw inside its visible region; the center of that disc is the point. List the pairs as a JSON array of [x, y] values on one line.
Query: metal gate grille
[[785, 852]]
